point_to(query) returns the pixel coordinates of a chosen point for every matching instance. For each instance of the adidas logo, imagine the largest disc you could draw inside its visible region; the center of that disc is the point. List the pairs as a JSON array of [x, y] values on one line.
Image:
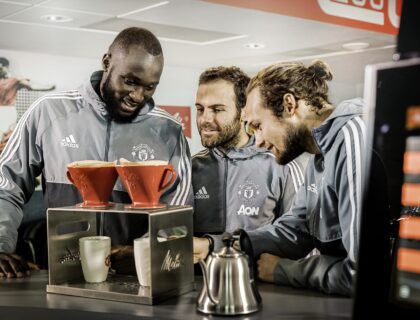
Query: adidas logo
[[312, 188], [70, 142], [202, 193]]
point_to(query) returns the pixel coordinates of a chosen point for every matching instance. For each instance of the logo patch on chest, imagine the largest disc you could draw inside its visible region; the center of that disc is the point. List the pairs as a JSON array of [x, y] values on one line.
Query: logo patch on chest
[[69, 142], [248, 211], [248, 191], [312, 188], [202, 193], [142, 152]]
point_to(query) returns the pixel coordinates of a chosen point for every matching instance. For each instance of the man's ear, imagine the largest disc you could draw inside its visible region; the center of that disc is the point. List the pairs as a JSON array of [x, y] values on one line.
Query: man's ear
[[289, 104], [105, 62]]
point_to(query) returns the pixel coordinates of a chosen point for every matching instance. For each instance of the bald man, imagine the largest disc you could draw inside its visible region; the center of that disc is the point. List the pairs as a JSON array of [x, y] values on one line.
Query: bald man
[[112, 116]]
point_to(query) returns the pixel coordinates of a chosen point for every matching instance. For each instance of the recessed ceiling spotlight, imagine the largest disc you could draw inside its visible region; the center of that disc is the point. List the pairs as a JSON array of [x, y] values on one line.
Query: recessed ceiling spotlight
[[254, 46], [356, 45], [56, 18]]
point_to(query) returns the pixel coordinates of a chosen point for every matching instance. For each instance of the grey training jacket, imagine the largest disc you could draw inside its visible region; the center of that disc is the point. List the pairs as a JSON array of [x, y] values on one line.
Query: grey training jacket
[[73, 125], [326, 211], [244, 188]]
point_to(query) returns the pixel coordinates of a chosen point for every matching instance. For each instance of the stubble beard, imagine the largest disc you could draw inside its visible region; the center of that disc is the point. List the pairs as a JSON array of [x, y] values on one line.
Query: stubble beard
[[227, 138], [112, 105], [294, 146]]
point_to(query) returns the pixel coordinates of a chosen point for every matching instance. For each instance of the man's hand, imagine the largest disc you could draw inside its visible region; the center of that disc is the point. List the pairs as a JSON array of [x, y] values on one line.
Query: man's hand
[[201, 248], [14, 266], [122, 260], [266, 265]]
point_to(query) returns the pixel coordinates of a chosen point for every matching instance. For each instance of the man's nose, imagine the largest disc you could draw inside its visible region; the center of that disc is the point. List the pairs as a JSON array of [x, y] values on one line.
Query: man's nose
[[208, 116], [137, 95]]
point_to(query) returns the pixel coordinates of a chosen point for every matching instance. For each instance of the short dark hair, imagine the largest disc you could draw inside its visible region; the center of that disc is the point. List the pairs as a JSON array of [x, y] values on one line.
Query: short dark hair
[[4, 61], [308, 83], [234, 75], [137, 36]]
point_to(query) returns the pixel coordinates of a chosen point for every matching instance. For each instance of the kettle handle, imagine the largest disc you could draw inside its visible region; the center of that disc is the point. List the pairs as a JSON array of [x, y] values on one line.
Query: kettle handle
[[246, 246], [206, 282]]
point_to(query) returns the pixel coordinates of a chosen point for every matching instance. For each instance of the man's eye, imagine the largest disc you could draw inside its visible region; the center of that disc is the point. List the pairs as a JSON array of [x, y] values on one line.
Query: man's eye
[[129, 82], [217, 110], [150, 88]]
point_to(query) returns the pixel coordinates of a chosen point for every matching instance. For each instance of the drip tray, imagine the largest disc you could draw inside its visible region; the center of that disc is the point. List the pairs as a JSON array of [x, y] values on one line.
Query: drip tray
[[117, 288]]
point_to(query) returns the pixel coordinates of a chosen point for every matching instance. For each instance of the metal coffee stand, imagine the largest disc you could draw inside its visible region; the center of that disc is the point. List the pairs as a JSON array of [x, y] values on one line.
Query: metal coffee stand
[[172, 271]]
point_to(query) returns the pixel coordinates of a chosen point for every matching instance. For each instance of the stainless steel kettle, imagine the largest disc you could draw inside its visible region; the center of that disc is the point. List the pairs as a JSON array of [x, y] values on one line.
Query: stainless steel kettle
[[229, 287]]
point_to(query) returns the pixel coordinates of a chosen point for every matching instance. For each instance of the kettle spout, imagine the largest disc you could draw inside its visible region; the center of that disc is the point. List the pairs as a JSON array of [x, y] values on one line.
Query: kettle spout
[[206, 283]]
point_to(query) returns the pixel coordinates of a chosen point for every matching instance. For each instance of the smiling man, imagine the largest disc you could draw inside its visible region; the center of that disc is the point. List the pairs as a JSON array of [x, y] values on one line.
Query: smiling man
[[288, 106], [236, 184], [112, 116]]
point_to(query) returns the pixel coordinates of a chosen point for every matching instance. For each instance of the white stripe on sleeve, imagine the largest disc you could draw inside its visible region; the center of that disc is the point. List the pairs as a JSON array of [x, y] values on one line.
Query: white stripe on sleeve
[[184, 168], [299, 175], [353, 200], [362, 128], [16, 137], [291, 171]]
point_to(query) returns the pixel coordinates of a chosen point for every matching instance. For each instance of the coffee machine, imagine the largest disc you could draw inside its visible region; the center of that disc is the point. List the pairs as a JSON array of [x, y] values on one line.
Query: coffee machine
[[171, 256]]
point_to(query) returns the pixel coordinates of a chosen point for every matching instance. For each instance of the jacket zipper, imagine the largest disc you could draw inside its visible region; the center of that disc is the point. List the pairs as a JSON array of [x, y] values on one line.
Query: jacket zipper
[[224, 193], [108, 135]]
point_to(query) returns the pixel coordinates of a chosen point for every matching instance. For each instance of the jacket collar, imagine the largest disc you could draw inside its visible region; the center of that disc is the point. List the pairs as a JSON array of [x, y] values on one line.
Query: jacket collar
[[247, 151], [326, 133]]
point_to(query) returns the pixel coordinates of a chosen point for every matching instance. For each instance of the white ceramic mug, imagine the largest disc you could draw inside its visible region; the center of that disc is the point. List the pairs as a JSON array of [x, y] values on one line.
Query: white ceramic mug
[[95, 253], [142, 260]]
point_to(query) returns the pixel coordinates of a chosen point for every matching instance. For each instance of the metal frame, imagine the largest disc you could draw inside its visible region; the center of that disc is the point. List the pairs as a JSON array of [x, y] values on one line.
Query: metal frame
[[172, 271]]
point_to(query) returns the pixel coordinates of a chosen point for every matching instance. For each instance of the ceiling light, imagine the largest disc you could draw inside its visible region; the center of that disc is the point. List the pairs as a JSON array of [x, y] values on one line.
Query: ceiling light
[[254, 46], [356, 45], [56, 18]]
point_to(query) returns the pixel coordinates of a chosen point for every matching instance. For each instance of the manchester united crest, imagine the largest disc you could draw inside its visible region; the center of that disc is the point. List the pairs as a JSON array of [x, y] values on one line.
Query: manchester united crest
[[142, 152], [248, 191]]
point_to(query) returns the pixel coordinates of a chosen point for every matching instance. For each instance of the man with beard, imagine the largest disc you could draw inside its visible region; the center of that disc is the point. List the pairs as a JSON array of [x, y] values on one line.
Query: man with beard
[[236, 184], [112, 116], [287, 104]]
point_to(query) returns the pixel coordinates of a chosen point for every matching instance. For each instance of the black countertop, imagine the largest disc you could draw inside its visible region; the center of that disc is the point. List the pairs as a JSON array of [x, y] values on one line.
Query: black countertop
[[27, 299]]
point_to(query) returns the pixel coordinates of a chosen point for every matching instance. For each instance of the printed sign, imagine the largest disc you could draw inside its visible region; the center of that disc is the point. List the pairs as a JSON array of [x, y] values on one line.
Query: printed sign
[[183, 115], [413, 118], [412, 162], [373, 15]]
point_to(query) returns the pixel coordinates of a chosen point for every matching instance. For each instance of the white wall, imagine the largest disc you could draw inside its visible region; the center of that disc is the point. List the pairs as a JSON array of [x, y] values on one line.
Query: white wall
[[65, 72], [348, 69], [349, 72], [177, 85]]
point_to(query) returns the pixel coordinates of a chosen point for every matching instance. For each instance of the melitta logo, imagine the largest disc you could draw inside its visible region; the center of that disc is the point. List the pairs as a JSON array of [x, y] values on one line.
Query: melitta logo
[[248, 211], [69, 256], [372, 11], [171, 262]]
